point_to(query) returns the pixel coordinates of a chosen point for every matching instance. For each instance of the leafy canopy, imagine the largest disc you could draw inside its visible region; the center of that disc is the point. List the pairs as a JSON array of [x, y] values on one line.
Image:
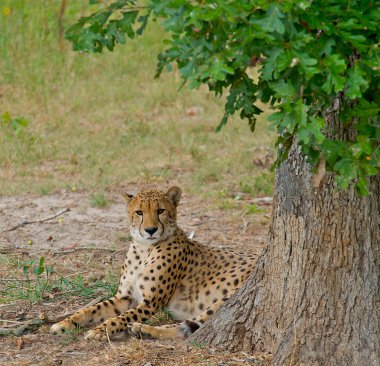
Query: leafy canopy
[[309, 52]]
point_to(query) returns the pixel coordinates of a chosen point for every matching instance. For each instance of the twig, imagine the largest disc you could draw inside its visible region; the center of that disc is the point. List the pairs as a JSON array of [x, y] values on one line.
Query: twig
[[205, 221], [109, 340], [27, 222], [263, 200], [64, 251], [34, 324], [57, 252], [9, 321], [76, 274], [30, 326]]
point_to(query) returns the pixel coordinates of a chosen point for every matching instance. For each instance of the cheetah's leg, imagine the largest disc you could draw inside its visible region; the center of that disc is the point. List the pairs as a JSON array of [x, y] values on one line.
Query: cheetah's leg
[[169, 331], [93, 314], [121, 323], [181, 330]]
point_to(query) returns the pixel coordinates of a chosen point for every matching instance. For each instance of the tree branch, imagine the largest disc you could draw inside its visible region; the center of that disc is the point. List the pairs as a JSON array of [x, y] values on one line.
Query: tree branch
[[27, 222]]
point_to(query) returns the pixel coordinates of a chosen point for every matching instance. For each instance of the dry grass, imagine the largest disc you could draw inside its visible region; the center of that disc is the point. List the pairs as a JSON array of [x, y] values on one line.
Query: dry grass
[[96, 121], [162, 353]]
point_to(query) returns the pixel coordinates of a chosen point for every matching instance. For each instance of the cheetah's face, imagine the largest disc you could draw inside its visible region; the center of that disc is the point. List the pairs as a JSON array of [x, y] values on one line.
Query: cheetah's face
[[153, 214]]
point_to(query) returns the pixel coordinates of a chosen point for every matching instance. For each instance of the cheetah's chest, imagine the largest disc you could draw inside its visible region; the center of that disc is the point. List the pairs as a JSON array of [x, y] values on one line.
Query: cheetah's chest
[[134, 265]]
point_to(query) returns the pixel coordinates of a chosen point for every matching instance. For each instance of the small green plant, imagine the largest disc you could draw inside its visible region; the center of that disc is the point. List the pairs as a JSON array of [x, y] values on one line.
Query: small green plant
[[253, 209], [98, 200], [37, 269], [17, 124], [196, 344], [225, 201], [40, 283], [38, 277]]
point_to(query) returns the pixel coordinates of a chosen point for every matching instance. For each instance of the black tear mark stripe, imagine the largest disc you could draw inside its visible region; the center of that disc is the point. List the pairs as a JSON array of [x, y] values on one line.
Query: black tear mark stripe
[[142, 221], [163, 227]]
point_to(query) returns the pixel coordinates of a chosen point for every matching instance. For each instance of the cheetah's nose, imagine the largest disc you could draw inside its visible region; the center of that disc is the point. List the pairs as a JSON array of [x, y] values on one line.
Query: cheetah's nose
[[151, 230]]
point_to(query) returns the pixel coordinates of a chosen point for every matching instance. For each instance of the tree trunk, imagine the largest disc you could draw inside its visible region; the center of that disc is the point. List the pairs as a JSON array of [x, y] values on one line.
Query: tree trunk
[[314, 296]]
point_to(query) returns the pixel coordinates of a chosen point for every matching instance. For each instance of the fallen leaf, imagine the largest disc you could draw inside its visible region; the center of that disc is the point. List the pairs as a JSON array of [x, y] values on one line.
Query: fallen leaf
[[194, 111], [20, 342], [71, 246]]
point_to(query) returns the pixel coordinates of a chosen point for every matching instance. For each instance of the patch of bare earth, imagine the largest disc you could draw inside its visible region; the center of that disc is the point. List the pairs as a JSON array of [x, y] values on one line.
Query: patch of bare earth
[[91, 242]]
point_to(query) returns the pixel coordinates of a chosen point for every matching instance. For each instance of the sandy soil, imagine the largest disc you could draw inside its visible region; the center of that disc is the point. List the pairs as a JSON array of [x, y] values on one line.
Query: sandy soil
[[92, 241]]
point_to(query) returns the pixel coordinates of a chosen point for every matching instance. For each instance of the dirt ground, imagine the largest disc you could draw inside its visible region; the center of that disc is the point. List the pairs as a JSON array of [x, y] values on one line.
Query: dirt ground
[[92, 241]]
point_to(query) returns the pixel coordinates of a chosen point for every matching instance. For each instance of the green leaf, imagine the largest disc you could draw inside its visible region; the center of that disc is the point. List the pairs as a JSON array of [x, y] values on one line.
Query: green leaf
[[143, 19], [283, 89], [327, 45], [335, 79], [272, 21], [356, 82], [126, 22], [278, 60], [219, 69], [307, 64], [25, 270], [346, 168], [361, 186], [222, 123], [38, 270]]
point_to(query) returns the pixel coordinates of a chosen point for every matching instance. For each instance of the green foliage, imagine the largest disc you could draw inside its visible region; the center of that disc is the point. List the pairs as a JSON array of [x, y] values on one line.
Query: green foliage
[[107, 26], [311, 53]]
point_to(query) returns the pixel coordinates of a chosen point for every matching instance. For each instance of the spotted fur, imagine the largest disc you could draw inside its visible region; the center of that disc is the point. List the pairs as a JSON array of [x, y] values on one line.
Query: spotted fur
[[163, 268]]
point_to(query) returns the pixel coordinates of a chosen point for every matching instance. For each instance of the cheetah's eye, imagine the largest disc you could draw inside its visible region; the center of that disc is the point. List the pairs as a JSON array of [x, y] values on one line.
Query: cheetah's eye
[[160, 211], [140, 213]]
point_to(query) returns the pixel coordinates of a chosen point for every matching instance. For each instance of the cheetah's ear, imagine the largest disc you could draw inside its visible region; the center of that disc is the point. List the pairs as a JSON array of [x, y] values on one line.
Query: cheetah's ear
[[174, 193], [128, 197]]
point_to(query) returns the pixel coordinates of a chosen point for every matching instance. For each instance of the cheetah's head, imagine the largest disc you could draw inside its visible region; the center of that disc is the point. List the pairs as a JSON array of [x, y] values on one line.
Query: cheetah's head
[[153, 214]]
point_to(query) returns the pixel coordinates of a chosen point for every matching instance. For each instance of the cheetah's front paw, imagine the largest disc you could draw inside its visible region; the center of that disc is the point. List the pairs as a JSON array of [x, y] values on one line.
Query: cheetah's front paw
[[139, 330], [61, 327], [135, 329], [98, 334]]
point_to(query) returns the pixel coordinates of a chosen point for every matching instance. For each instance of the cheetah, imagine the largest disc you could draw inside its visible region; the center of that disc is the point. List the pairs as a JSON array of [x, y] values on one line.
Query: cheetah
[[163, 268]]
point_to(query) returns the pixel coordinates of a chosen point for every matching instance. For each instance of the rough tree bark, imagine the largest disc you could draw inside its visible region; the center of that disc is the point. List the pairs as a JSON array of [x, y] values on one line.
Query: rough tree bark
[[314, 296]]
